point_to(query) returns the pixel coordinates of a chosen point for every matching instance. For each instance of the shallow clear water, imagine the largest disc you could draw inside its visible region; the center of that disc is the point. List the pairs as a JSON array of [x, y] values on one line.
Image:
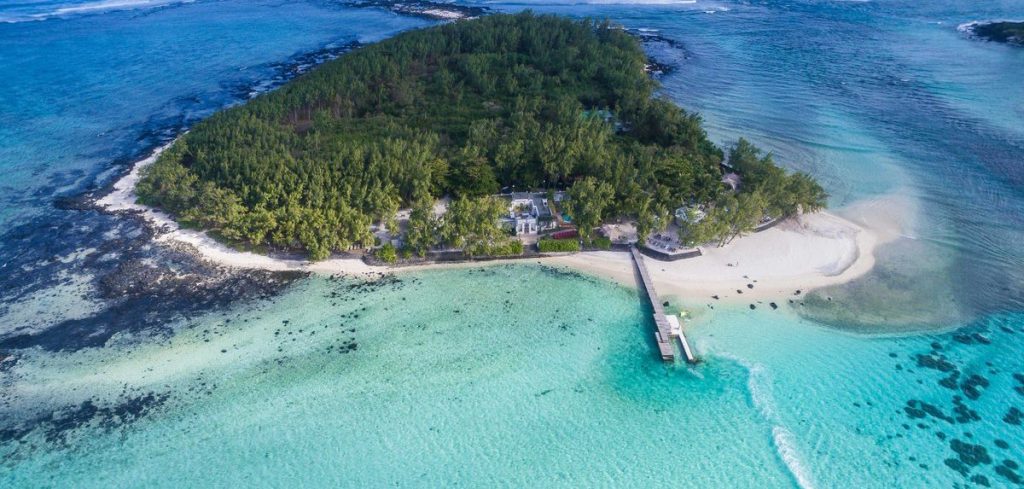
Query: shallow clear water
[[517, 375], [515, 385], [539, 378]]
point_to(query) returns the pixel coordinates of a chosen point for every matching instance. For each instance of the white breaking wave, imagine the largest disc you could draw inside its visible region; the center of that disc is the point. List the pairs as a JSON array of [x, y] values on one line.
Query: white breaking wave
[[607, 2], [967, 27], [88, 8], [785, 445], [111, 5], [759, 385]]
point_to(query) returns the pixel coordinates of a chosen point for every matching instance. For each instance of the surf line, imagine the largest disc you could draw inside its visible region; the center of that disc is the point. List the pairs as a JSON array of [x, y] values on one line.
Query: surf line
[[759, 387]]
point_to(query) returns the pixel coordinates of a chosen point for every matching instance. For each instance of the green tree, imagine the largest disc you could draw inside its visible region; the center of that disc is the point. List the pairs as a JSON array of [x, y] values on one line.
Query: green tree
[[462, 109], [741, 215], [387, 253], [472, 224], [423, 226], [804, 194], [588, 198], [645, 217], [255, 226], [472, 174]]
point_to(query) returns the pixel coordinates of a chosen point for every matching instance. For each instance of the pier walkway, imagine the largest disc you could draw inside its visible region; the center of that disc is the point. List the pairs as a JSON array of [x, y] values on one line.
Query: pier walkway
[[667, 331]]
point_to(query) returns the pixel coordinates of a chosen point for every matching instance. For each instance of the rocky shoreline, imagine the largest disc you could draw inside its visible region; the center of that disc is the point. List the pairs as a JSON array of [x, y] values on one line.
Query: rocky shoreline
[[1000, 31], [123, 264], [143, 287], [653, 41], [425, 9]]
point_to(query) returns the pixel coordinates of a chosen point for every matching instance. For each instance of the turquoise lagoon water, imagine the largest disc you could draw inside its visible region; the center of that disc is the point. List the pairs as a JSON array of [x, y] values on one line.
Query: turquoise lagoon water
[[518, 376], [540, 378]]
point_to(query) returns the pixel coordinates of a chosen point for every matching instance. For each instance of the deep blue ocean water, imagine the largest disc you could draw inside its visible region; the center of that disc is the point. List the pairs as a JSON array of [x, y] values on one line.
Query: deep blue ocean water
[[303, 383]]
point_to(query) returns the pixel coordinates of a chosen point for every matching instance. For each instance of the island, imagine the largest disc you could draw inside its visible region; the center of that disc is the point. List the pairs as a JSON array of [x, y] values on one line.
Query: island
[[1006, 32], [443, 138]]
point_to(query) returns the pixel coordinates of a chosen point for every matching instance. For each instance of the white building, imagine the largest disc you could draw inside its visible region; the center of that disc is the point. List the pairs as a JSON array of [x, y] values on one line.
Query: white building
[[689, 215], [524, 212], [525, 225]]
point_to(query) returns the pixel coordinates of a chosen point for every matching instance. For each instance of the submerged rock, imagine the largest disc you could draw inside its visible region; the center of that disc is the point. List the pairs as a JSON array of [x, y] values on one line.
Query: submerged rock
[[1013, 416], [1009, 472], [973, 386], [935, 362], [970, 453], [917, 409]]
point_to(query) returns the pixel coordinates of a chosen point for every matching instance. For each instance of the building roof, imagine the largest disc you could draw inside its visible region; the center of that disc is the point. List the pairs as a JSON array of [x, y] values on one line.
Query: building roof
[[732, 179]]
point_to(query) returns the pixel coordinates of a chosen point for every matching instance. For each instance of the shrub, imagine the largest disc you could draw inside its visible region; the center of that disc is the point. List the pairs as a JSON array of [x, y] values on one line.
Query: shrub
[[602, 243], [558, 245], [511, 247], [387, 253]]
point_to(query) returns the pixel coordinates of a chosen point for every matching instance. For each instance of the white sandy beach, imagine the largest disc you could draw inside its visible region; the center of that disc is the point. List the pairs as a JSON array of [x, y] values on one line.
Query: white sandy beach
[[122, 198], [804, 253], [814, 251]]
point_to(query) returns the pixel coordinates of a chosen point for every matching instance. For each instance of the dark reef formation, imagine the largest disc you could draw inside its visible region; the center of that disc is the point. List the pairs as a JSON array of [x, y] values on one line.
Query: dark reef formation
[[1006, 32], [950, 362], [140, 289]]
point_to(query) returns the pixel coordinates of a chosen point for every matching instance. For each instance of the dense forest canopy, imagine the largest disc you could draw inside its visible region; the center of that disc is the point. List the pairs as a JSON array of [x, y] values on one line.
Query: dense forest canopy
[[463, 109]]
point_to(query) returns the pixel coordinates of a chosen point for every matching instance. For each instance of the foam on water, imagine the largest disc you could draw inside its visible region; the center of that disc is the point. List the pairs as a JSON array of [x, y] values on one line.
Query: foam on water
[[603, 2], [787, 450], [47, 10], [112, 5], [759, 384]]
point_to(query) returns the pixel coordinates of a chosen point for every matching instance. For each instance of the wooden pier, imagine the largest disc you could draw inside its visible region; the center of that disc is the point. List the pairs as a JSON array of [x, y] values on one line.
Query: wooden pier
[[667, 331]]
